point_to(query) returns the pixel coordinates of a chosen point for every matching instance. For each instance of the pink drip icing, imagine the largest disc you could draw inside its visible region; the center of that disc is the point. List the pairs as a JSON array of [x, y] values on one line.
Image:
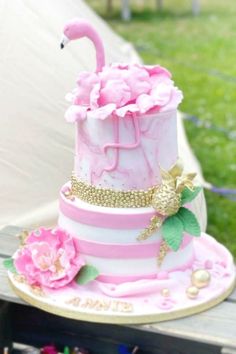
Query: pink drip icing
[[117, 145]]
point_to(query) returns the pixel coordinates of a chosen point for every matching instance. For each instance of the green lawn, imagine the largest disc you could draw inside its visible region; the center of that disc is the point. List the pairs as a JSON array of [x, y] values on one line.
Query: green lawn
[[201, 53]]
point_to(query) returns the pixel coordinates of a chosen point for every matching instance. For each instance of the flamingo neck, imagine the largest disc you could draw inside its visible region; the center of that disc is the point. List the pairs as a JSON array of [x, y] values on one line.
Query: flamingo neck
[[100, 53]]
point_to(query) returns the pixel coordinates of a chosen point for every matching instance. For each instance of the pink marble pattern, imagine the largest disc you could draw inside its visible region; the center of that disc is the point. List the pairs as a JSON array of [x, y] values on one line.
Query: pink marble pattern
[[125, 153]]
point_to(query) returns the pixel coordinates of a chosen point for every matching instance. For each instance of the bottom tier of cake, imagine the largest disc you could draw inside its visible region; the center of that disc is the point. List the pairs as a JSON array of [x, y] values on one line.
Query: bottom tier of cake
[[205, 283], [108, 240]]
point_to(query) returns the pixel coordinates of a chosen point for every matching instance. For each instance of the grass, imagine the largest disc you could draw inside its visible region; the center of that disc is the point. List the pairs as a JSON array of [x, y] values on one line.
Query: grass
[[200, 52]]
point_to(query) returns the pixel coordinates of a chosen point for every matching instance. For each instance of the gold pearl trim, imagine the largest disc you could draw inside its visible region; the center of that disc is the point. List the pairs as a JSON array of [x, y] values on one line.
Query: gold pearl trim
[[108, 197]]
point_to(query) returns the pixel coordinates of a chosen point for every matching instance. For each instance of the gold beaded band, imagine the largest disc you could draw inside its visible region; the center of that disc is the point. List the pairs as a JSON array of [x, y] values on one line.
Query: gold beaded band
[[109, 197]]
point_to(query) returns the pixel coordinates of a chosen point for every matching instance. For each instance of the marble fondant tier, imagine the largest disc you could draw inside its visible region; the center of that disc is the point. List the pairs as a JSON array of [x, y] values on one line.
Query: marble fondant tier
[[125, 153]]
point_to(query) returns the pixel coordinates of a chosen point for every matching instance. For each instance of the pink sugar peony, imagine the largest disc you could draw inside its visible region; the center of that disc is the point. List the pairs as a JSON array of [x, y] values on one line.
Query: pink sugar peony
[[115, 91], [123, 89], [49, 258], [138, 81]]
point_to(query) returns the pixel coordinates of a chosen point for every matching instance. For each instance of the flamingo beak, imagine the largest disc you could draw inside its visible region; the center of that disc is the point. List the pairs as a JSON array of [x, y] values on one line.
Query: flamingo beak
[[64, 41]]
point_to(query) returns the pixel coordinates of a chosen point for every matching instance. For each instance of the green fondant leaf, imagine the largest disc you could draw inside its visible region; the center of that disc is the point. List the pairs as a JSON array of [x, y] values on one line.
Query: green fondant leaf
[[189, 221], [172, 230], [86, 274], [187, 195], [9, 265]]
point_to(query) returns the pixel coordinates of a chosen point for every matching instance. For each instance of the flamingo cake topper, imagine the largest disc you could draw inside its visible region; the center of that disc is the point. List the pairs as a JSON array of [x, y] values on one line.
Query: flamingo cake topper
[[116, 89], [79, 28]]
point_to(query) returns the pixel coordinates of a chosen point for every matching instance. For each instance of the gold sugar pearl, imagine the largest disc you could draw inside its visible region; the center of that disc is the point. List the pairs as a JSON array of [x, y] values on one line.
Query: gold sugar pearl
[[165, 292], [192, 292], [200, 278], [67, 193]]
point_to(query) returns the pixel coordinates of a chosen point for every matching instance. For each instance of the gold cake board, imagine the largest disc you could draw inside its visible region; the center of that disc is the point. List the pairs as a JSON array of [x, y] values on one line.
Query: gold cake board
[[118, 319]]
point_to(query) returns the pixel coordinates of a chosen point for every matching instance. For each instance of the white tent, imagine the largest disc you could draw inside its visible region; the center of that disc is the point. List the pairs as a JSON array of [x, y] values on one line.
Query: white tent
[[36, 144]]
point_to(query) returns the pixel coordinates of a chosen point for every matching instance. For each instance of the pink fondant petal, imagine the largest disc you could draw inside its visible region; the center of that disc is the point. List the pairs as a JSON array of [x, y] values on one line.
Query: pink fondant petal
[[94, 96], [176, 98], [115, 91], [156, 80], [42, 255], [120, 66], [155, 69], [23, 257], [87, 79], [86, 82], [130, 108], [102, 112], [75, 113], [138, 81], [161, 94], [111, 73], [145, 103]]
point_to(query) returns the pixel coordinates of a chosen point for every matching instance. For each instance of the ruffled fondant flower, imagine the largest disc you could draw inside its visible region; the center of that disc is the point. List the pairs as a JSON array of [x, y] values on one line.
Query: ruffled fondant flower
[[123, 90], [115, 91], [49, 258]]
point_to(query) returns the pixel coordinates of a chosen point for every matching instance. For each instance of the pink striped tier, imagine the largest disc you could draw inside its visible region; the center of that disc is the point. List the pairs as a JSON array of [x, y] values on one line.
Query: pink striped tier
[[108, 240]]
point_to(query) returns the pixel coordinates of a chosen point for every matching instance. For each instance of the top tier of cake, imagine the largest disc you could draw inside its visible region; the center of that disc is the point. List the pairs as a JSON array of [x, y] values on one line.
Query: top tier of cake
[[125, 153], [125, 119]]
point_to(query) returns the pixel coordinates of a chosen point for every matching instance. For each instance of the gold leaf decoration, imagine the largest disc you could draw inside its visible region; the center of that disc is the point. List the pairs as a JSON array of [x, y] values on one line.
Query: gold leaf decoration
[[155, 224], [23, 236], [37, 290], [164, 249]]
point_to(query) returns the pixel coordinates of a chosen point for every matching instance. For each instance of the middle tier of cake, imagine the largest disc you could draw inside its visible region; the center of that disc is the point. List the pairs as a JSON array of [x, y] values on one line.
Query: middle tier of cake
[[108, 240]]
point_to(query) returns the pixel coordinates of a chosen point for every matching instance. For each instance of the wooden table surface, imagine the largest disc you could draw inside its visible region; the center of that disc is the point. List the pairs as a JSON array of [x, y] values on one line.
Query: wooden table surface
[[215, 327]]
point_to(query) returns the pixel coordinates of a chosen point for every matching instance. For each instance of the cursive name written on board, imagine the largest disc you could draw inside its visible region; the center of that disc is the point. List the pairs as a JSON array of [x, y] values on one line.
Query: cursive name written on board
[[100, 304]]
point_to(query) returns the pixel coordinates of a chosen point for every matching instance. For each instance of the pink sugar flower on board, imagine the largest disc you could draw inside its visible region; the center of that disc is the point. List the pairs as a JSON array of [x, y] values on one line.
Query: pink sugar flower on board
[[117, 89], [49, 258]]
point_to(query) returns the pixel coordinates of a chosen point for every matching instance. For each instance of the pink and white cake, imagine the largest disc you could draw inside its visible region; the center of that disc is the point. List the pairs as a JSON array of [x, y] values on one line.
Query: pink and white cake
[[127, 247]]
